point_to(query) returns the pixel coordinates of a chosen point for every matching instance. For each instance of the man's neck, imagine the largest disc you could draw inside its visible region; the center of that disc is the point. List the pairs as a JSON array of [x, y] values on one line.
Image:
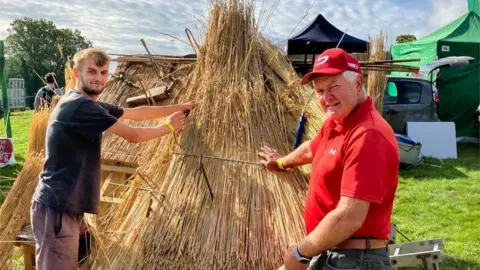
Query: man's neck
[[80, 90], [361, 100]]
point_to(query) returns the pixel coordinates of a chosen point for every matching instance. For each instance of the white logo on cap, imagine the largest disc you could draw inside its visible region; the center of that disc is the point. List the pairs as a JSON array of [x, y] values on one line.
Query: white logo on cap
[[352, 65], [322, 60]]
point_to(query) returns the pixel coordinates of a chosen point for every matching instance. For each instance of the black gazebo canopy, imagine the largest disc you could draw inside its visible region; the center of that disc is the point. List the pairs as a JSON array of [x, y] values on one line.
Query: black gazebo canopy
[[321, 35]]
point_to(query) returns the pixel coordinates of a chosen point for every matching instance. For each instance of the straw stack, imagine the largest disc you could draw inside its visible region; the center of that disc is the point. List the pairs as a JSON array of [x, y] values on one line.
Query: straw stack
[[69, 78], [377, 78], [38, 129], [249, 97], [14, 212]]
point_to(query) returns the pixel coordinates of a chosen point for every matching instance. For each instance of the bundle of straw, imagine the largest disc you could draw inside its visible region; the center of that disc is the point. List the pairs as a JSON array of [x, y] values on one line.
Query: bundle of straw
[[69, 78], [248, 98], [36, 141], [14, 212], [377, 79]]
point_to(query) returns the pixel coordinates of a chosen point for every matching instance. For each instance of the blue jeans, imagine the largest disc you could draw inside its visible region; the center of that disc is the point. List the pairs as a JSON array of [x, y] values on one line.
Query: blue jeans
[[352, 259]]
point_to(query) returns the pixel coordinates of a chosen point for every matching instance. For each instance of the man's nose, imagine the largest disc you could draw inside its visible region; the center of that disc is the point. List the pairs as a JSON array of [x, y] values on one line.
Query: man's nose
[[327, 95], [98, 78]]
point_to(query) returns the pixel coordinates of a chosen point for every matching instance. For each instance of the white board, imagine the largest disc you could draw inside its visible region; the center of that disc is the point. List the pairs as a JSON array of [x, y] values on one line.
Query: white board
[[438, 139]]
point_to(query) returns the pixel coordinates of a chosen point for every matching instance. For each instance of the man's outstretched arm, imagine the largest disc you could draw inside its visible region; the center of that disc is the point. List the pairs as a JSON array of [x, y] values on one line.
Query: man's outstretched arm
[[143, 113], [142, 134], [298, 157]]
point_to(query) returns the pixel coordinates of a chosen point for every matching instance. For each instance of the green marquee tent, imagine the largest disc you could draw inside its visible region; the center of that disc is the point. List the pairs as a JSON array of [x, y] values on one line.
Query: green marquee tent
[[458, 88]]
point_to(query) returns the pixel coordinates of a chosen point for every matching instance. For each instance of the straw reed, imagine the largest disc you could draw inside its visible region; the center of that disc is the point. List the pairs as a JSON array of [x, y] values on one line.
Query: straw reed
[[69, 78], [38, 129], [249, 97], [377, 78], [14, 211]]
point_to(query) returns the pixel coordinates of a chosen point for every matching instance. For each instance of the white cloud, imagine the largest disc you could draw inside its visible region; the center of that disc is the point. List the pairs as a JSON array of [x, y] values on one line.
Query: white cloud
[[362, 18], [118, 25], [446, 11]]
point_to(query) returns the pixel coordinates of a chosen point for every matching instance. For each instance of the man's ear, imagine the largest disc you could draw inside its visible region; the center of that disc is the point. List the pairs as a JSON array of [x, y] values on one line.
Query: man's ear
[[76, 73], [359, 82]]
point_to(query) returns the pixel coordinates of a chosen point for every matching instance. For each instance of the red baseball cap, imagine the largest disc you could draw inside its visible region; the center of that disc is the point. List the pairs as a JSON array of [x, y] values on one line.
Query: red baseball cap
[[332, 62]]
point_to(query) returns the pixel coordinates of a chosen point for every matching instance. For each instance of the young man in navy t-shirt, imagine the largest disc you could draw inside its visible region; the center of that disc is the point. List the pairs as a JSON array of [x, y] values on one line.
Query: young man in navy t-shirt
[[69, 184]]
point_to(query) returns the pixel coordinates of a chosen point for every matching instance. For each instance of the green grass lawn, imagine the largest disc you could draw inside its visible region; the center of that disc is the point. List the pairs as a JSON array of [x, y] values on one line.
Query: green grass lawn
[[431, 202], [443, 203]]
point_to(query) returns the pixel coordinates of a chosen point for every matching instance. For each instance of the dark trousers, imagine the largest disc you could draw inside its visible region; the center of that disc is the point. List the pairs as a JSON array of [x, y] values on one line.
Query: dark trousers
[[56, 237], [354, 259]]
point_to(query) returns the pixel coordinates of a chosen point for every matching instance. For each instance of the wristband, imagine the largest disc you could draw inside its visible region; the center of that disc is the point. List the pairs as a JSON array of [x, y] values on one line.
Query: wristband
[[280, 163], [170, 126]]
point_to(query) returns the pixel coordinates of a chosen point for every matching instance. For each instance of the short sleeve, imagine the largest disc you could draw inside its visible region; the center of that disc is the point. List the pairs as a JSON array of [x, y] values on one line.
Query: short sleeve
[[113, 110], [367, 167], [91, 119]]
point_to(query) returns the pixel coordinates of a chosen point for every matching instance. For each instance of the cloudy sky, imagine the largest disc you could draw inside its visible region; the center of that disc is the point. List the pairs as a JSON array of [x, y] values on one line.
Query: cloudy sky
[[118, 25]]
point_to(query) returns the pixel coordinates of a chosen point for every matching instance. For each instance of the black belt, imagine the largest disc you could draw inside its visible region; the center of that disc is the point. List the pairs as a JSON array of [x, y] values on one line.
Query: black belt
[[362, 237], [367, 239]]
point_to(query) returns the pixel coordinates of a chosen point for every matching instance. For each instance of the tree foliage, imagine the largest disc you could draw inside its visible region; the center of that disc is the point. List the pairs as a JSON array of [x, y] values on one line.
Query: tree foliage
[[405, 38], [32, 45]]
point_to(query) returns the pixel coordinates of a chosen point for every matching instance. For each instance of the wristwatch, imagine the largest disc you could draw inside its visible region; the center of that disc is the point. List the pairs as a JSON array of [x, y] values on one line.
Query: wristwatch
[[300, 258]]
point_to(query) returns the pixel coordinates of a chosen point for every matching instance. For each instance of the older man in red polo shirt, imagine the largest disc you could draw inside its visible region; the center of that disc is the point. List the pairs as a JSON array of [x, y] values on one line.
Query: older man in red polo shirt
[[355, 162]]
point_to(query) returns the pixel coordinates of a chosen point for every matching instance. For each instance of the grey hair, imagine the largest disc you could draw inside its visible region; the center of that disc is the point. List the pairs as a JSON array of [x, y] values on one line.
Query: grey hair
[[351, 77]]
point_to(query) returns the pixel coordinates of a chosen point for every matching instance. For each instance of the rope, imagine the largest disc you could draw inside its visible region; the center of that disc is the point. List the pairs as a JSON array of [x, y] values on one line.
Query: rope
[[220, 158], [403, 235]]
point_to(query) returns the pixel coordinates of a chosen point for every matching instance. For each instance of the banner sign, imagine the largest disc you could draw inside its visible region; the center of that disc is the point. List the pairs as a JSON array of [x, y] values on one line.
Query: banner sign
[[6, 152]]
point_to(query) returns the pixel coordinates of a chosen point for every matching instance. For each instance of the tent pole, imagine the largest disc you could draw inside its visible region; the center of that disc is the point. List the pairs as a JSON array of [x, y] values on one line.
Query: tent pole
[[314, 52], [305, 66], [342, 37]]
